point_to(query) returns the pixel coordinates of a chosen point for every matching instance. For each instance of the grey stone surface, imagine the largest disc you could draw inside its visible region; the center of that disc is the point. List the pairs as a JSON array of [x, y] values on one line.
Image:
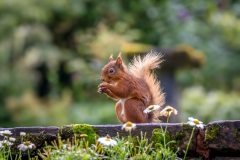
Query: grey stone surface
[[218, 140]]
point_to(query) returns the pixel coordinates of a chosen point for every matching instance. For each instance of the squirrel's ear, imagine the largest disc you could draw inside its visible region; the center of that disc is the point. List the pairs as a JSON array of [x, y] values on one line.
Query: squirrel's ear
[[110, 58], [119, 61]]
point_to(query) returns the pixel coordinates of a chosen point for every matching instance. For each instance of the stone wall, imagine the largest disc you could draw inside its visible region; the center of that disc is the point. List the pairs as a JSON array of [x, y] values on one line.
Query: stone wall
[[218, 140]]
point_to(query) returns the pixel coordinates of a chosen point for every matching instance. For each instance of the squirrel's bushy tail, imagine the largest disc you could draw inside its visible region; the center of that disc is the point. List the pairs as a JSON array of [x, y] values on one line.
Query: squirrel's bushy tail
[[142, 68]]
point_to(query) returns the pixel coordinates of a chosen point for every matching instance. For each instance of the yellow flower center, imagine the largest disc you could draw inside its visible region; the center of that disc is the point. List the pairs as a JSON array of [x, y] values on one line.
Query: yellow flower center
[[108, 138], [169, 110], [129, 124], [196, 121], [151, 107], [27, 143]]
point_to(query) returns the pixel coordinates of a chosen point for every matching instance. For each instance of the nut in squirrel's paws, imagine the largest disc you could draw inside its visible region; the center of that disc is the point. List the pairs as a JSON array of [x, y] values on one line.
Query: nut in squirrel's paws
[[102, 90]]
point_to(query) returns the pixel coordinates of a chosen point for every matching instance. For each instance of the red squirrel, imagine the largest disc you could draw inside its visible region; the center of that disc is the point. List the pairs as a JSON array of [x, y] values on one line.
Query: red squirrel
[[134, 87]]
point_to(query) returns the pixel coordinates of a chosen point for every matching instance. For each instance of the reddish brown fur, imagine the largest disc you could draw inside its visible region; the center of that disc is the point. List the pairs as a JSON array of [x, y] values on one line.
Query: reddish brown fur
[[120, 84]]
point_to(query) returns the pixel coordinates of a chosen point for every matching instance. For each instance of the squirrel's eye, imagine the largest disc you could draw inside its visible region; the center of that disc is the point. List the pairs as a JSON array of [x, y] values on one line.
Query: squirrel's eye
[[111, 70]]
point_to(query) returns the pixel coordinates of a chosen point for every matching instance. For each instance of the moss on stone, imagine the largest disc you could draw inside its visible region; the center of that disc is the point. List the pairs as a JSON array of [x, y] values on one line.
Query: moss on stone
[[179, 136], [38, 139], [79, 129], [186, 127], [236, 134], [211, 133], [66, 132]]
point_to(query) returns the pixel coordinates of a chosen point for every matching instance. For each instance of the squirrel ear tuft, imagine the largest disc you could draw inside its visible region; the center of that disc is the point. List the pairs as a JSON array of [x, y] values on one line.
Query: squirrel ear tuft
[[110, 58], [119, 55]]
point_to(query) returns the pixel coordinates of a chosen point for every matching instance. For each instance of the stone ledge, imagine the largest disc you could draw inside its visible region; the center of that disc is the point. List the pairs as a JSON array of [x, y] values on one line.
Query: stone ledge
[[219, 139]]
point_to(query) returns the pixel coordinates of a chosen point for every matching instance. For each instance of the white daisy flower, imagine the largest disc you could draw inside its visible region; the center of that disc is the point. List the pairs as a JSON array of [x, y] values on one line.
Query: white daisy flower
[[26, 145], [9, 143], [5, 133], [12, 139], [6, 142], [195, 122], [107, 141], [129, 126], [167, 111], [151, 108], [22, 134]]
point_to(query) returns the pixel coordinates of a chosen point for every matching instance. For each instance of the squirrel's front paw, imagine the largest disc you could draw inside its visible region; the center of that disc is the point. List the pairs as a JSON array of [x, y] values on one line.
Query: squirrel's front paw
[[102, 90], [103, 85]]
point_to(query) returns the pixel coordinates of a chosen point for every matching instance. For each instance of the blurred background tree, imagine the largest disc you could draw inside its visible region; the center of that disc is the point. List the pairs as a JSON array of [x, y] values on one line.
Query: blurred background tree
[[52, 52]]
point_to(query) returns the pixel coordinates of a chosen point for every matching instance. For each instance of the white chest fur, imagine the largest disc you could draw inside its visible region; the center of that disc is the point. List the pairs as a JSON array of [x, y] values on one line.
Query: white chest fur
[[122, 101]]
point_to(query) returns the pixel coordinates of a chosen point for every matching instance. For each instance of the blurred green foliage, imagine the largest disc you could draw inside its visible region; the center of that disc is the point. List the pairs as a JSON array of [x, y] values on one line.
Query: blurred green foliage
[[51, 53], [209, 106]]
